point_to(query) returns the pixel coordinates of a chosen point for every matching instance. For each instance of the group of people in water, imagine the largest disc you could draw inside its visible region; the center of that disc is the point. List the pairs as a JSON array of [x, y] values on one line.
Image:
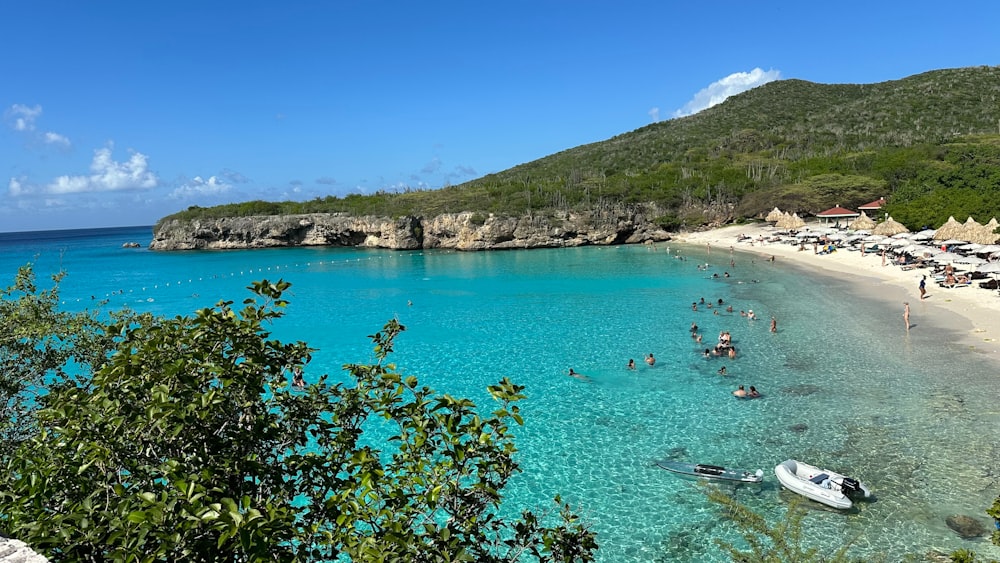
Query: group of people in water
[[723, 348]]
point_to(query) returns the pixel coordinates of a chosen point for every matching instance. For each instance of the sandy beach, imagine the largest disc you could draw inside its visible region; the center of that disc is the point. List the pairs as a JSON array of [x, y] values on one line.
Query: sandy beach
[[970, 311]]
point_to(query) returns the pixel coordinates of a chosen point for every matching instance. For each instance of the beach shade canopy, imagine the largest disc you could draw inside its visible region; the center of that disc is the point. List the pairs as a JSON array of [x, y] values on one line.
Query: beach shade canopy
[[926, 234], [973, 260], [796, 222], [984, 234], [945, 257], [774, 216], [971, 246], [988, 249], [988, 268], [862, 223], [890, 227], [970, 229], [951, 229]]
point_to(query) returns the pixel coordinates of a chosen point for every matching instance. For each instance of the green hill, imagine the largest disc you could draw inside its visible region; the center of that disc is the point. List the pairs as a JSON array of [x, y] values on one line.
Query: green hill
[[929, 143]]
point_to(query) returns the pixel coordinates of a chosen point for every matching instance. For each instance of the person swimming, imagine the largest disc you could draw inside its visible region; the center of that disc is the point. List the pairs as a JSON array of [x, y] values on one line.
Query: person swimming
[[650, 359], [753, 394], [740, 392], [722, 370], [631, 363]]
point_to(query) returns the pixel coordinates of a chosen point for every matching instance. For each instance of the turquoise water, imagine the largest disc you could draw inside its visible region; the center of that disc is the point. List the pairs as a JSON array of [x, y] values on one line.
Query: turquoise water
[[845, 386]]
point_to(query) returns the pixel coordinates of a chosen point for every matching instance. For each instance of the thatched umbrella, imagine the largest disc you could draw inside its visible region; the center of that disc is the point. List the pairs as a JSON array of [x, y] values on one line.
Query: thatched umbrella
[[949, 230], [862, 223], [986, 233], [796, 222], [774, 216], [784, 221], [970, 228], [890, 227]]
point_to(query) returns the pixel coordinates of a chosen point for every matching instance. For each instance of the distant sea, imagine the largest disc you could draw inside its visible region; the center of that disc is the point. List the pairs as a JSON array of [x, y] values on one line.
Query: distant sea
[[912, 415]]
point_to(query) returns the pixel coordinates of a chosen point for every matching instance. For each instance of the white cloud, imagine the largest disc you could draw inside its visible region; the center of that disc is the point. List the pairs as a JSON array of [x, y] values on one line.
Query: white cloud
[[22, 118], [654, 114], [718, 91], [198, 186], [15, 187], [56, 139], [108, 176]]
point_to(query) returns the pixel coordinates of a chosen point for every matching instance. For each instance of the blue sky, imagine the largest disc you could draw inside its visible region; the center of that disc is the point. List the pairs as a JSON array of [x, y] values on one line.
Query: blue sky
[[117, 113]]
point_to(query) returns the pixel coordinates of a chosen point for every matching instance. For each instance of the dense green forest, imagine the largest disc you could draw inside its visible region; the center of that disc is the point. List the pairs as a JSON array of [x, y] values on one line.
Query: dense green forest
[[929, 143]]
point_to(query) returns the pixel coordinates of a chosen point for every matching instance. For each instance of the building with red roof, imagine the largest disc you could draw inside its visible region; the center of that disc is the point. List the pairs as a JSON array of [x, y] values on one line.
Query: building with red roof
[[873, 206], [837, 213]]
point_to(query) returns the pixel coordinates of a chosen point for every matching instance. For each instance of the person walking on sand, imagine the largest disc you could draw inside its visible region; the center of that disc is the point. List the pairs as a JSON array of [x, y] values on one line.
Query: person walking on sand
[[923, 287], [906, 314]]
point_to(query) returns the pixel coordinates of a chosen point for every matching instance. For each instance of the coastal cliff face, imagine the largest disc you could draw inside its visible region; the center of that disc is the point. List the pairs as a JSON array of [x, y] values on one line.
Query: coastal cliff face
[[459, 231]]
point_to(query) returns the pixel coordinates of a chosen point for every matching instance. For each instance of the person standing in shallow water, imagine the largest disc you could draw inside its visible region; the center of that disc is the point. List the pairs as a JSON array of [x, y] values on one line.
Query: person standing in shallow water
[[774, 324], [906, 314], [923, 287]]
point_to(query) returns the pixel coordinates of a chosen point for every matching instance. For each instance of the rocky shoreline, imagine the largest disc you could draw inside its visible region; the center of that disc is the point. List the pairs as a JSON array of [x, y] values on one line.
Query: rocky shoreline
[[458, 231]]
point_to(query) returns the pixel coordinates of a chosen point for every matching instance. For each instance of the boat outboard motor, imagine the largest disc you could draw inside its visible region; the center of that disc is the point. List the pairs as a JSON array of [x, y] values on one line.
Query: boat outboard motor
[[851, 486]]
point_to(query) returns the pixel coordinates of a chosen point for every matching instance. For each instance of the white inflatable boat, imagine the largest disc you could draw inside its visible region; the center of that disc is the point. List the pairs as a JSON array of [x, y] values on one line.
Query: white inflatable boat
[[820, 485]]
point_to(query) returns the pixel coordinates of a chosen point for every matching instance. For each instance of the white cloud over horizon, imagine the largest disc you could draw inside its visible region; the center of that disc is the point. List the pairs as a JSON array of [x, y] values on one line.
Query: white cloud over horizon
[[22, 119], [717, 92], [107, 175], [198, 186]]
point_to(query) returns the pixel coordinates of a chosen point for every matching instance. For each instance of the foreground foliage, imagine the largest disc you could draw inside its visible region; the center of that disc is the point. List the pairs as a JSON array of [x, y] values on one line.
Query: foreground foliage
[[40, 343], [190, 443]]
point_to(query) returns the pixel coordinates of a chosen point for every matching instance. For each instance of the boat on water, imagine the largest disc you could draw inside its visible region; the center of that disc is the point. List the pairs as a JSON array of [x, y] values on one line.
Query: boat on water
[[712, 471], [821, 485]]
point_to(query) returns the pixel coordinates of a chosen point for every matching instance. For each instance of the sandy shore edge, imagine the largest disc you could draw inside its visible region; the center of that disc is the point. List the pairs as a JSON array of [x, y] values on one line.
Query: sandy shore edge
[[971, 312]]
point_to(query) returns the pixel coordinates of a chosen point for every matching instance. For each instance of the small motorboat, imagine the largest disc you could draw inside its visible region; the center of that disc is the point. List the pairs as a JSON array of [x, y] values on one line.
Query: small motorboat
[[820, 485], [712, 471]]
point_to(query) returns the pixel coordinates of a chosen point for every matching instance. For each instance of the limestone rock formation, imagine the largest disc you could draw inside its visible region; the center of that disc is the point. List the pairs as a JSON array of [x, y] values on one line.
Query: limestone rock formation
[[459, 231]]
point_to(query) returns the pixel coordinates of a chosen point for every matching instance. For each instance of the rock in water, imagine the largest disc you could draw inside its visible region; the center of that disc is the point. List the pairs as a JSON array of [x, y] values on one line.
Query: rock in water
[[966, 526]]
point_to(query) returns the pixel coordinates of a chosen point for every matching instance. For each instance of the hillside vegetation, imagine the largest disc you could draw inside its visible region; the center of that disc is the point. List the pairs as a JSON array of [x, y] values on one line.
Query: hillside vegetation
[[929, 143]]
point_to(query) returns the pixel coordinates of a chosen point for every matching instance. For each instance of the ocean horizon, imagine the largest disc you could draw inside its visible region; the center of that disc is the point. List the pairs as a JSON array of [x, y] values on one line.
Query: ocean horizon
[[912, 414]]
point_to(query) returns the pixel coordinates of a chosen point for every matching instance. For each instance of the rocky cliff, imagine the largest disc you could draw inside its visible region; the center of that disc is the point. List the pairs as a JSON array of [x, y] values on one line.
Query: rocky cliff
[[459, 231]]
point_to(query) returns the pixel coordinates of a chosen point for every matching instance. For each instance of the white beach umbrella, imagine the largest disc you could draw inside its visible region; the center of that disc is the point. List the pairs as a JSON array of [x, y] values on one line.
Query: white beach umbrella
[[971, 246], [988, 249], [925, 234], [989, 268], [932, 250], [945, 257], [952, 241], [899, 242], [972, 260]]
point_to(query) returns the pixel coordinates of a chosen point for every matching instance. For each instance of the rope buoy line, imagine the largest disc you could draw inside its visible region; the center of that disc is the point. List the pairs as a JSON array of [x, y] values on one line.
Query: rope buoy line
[[303, 266]]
